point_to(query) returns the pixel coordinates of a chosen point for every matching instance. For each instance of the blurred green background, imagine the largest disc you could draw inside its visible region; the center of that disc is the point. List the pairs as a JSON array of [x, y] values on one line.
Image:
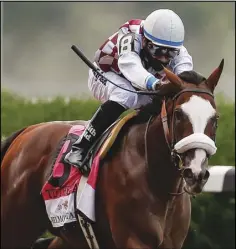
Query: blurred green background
[[37, 36]]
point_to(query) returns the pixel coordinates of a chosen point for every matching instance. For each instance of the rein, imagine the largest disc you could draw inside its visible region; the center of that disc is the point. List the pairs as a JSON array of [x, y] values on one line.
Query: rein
[[175, 157]]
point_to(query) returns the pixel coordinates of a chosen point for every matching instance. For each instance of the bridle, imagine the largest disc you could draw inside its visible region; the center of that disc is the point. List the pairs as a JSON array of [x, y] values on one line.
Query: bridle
[[175, 157]]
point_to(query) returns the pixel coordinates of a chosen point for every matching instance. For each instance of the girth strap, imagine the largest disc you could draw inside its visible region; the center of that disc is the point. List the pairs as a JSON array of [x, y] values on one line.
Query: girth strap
[[85, 225]]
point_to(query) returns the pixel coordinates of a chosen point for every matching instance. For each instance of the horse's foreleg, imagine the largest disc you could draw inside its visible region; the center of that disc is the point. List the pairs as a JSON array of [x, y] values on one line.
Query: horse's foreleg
[[132, 237], [178, 224], [134, 242]]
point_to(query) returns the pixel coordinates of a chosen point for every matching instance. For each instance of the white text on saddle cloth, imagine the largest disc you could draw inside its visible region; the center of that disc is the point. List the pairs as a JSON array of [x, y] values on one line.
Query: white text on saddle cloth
[[61, 210]]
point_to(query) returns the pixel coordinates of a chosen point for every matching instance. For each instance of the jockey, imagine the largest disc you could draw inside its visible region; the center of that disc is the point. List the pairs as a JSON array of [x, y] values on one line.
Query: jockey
[[132, 58]]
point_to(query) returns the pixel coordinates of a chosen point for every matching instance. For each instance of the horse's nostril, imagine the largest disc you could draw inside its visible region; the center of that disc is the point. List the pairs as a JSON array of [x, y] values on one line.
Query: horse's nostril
[[206, 175], [203, 176], [188, 173]]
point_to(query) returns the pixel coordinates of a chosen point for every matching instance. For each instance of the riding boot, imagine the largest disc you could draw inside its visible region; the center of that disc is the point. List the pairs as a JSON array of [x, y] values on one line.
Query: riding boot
[[106, 114]]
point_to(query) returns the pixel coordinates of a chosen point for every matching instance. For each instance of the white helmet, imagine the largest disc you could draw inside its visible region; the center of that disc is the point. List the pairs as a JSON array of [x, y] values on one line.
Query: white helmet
[[164, 27]]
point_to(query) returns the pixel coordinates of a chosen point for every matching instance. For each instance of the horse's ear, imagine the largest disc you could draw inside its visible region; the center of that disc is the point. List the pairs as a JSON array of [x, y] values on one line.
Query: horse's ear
[[173, 78], [215, 76]]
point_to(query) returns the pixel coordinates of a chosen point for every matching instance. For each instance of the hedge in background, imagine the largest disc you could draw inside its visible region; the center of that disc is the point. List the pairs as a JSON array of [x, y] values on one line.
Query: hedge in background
[[18, 112], [213, 216]]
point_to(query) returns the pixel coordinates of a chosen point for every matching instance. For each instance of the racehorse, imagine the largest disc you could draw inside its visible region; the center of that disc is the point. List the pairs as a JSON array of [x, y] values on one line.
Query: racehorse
[[146, 180]]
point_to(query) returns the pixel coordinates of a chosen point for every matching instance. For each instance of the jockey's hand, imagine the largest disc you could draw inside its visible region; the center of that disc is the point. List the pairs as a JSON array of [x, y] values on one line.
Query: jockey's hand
[[156, 85], [160, 83], [152, 83]]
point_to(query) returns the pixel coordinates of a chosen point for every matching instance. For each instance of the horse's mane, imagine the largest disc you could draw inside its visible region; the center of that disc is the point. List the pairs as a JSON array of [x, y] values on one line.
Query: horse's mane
[[192, 76], [154, 107]]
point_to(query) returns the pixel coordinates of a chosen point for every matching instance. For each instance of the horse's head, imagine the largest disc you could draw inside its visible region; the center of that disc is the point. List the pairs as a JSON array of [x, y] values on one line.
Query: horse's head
[[192, 119]]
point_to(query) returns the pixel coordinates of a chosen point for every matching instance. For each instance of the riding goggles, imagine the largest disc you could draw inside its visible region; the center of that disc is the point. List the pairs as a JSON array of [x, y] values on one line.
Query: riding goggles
[[156, 50]]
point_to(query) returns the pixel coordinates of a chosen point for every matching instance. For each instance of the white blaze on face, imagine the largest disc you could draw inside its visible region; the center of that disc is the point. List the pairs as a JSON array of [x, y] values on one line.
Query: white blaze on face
[[196, 163], [199, 111]]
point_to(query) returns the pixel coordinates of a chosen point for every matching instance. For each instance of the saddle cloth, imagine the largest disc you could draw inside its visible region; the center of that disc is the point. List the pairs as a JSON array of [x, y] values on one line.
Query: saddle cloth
[[67, 190]]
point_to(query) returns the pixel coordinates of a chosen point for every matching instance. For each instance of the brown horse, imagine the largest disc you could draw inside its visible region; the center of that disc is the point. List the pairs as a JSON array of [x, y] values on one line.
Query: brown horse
[[145, 182]]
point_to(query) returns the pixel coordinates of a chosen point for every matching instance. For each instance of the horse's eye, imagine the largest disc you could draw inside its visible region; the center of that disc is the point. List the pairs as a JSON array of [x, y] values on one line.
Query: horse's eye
[[214, 120], [178, 115]]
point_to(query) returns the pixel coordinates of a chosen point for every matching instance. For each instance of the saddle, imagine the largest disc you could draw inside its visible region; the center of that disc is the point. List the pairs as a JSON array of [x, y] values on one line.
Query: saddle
[[100, 147]]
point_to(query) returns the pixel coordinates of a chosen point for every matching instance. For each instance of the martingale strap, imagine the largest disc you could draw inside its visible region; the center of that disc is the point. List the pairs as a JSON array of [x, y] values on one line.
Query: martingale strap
[[85, 224], [165, 123]]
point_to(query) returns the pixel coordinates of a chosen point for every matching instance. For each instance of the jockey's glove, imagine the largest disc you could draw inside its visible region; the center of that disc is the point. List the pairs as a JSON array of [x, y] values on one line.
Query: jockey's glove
[[152, 83]]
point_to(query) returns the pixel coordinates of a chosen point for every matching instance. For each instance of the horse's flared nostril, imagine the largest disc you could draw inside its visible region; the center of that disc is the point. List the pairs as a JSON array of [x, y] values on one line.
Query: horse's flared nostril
[[203, 176], [206, 175], [188, 173]]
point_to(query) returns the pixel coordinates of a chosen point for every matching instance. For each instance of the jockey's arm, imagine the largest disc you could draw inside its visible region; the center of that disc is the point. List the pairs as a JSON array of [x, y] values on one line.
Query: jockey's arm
[[182, 62], [129, 62]]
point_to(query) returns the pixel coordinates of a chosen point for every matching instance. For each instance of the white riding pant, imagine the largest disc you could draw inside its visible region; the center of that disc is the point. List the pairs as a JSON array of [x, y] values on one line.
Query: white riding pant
[[109, 91]]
